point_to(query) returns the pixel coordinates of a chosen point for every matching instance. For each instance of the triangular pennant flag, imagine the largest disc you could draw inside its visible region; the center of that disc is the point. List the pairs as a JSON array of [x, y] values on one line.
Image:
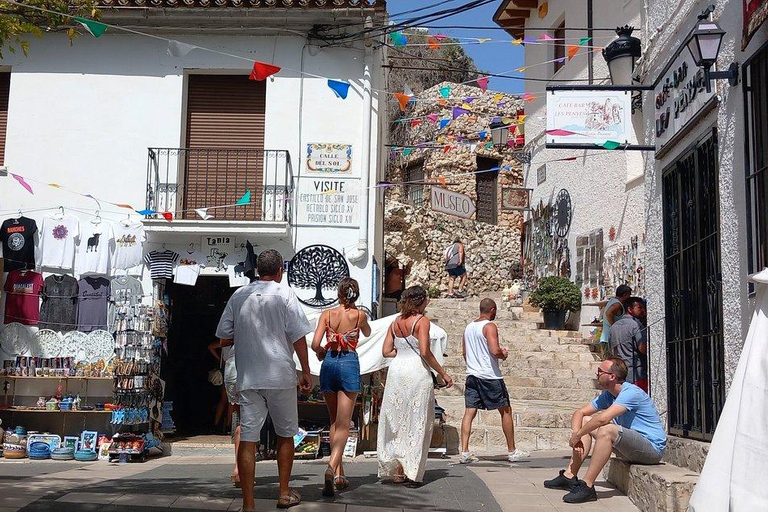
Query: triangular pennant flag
[[262, 70], [407, 90], [442, 102], [446, 149], [466, 106], [573, 49], [584, 40], [433, 44], [407, 151], [403, 99], [445, 91], [482, 83], [530, 98], [569, 159], [245, 199], [95, 28], [546, 37], [178, 49], [610, 144], [441, 179], [432, 117], [560, 60], [340, 89], [168, 216], [23, 183], [440, 37], [483, 40], [521, 118], [497, 97], [146, 212], [530, 40], [398, 39], [482, 135], [517, 42], [54, 185], [203, 213], [511, 142], [444, 123], [521, 69], [470, 99], [440, 139], [126, 206], [415, 123], [560, 133], [472, 148], [489, 145], [456, 111], [507, 120]]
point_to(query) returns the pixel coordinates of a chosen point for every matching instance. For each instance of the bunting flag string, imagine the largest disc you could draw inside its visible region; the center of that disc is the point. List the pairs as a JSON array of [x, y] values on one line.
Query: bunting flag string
[[339, 88], [262, 71], [23, 183], [178, 49], [245, 199], [95, 28]]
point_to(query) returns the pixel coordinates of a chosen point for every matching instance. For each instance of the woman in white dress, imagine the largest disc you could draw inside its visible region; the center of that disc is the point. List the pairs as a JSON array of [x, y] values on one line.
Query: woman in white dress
[[407, 410]]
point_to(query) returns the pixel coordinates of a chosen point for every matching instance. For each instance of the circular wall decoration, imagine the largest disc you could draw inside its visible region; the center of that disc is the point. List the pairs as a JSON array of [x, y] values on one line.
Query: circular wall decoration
[[315, 272], [561, 213]]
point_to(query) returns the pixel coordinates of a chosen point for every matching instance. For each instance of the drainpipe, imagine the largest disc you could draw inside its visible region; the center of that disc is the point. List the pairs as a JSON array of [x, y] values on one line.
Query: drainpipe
[[361, 251], [590, 34]]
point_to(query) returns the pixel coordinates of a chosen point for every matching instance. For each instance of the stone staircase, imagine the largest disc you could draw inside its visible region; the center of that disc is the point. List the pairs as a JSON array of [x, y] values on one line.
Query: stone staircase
[[548, 374]]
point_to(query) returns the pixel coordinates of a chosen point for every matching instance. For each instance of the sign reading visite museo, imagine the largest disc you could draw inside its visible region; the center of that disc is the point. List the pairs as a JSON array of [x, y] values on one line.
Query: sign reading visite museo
[[591, 117], [452, 203], [328, 202], [329, 158]]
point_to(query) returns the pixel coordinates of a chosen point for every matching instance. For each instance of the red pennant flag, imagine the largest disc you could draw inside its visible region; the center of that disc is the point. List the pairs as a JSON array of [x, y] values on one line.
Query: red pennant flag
[[403, 99], [262, 70], [433, 44], [168, 216], [446, 149], [441, 179], [483, 83], [432, 117], [573, 49], [530, 98], [415, 123]]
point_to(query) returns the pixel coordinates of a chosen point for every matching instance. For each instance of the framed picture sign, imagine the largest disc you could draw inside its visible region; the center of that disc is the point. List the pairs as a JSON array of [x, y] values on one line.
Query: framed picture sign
[[513, 198]]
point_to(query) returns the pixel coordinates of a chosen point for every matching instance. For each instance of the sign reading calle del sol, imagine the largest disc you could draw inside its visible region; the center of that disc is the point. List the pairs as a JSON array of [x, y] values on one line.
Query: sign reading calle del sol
[[452, 203], [329, 157]]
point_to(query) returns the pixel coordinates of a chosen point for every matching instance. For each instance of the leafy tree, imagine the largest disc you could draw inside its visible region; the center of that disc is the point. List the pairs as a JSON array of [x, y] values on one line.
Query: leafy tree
[[17, 22]]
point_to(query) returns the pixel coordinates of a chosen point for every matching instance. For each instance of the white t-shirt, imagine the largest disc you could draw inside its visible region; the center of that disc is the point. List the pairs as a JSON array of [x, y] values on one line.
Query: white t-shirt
[[94, 249], [236, 269], [57, 241], [480, 362], [128, 246], [264, 319], [189, 267]]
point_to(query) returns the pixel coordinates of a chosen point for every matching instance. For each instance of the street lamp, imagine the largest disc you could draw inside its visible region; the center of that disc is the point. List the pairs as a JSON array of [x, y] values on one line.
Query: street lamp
[[499, 133], [621, 55], [704, 44]]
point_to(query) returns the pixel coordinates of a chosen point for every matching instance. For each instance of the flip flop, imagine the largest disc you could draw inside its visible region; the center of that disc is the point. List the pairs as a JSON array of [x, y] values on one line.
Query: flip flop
[[289, 500]]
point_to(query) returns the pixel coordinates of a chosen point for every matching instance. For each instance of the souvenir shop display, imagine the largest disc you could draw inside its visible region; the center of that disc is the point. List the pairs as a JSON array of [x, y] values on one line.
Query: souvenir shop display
[[57, 240], [17, 239], [94, 252], [129, 250], [190, 264], [92, 304], [161, 263], [125, 303], [58, 311], [22, 300], [63, 453]]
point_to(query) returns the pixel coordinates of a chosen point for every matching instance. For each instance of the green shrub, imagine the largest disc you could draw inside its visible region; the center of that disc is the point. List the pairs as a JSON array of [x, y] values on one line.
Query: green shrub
[[434, 291], [556, 294]]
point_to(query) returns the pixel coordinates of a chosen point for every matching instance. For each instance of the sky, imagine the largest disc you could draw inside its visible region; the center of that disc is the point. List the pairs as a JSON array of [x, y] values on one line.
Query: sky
[[496, 56]]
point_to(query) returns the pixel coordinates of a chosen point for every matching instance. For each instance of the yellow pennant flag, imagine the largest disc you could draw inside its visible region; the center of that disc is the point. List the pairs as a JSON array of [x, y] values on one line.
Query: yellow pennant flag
[[483, 40], [507, 120], [497, 97], [521, 118], [440, 139], [521, 69], [54, 185], [517, 42], [466, 106]]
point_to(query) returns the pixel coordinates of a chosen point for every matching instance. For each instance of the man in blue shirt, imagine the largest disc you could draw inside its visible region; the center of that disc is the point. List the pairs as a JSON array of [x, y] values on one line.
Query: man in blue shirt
[[623, 419]]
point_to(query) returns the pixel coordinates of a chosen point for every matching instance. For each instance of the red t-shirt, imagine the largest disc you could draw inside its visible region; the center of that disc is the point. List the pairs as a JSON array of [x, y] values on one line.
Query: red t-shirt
[[22, 302]]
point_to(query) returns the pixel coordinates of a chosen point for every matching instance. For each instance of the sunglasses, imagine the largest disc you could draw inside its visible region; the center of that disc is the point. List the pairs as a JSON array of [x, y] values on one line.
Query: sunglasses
[[600, 372]]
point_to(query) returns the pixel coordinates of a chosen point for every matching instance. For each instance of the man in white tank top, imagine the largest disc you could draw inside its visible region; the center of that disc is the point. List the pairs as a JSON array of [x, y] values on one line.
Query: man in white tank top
[[485, 388]]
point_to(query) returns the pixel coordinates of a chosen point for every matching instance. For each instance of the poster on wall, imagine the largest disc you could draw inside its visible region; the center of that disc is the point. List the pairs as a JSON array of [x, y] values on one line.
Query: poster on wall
[[329, 158], [755, 13], [588, 117], [328, 202]]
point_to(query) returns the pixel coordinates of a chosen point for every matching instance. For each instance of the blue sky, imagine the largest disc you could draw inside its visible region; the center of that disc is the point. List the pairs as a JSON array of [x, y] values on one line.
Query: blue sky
[[496, 56]]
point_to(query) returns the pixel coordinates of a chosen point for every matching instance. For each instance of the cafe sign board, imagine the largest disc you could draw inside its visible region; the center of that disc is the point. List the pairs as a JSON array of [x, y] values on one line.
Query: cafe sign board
[[588, 117], [680, 98]]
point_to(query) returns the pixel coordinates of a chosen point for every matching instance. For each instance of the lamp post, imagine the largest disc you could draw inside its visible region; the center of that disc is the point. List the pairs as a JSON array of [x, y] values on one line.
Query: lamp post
[[704, 43], [621, 55]]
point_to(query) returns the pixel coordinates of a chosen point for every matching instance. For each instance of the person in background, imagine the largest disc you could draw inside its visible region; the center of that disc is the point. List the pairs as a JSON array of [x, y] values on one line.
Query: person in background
[[455, 266], [485, 388], [340, 373], [623, 419], [227, 358], [269, 326], [628, 342], [614, 310]]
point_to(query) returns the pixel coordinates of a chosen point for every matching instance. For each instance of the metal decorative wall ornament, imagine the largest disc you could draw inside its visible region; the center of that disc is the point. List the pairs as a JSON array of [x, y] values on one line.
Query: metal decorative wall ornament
[[523, 157], [314, 269], [561, 214]]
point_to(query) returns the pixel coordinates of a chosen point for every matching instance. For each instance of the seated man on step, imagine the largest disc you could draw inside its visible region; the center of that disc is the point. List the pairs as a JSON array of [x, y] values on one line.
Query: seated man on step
[[623, 419]]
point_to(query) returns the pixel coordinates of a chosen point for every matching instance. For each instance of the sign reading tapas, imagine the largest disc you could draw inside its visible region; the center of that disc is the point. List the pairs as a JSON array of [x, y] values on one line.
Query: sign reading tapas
[[329, 158], [588, 117]]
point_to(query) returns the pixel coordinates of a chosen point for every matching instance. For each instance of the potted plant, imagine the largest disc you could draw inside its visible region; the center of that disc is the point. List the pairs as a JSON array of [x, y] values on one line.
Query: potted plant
[[555, 296]]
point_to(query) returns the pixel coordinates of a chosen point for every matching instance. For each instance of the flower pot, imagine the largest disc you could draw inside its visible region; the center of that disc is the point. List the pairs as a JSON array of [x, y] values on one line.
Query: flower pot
[[554, 320]]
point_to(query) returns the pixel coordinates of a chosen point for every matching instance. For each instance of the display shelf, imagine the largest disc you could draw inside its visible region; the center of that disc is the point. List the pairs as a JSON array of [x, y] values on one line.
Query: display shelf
[[59, 411], [599, 324], [23, 377]]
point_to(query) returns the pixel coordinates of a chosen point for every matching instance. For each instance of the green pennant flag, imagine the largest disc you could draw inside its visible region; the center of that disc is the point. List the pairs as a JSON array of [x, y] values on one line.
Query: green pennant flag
[[407, 151], [610, 144], [584, 40], [489, 145], [95, 28], [445, 91]]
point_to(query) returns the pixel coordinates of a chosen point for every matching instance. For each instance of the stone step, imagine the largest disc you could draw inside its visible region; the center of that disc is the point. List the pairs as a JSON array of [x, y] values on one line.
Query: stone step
[[686, 453], [653, 488], [491, 439], [578, 396]]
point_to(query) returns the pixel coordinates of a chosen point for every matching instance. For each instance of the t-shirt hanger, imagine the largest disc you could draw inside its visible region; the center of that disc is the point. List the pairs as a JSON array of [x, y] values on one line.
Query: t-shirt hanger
[[60, 214]]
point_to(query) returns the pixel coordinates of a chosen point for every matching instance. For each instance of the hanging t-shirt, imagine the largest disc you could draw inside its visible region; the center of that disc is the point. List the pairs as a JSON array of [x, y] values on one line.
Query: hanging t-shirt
[[17, 239], [189, 267], [92, 303], [95, 248], [161, 263], [236, 268], [125, 293], [57, 241], [22, 300], [128, 246], [58, 311]]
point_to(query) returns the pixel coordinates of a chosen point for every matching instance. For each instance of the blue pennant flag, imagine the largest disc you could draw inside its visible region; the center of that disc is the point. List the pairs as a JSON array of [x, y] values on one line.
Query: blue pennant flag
[[444, 123], [339, 88], [146, 212]]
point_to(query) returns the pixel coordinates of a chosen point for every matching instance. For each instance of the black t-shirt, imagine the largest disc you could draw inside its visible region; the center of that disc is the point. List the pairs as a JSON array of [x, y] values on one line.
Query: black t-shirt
[[17, 238]]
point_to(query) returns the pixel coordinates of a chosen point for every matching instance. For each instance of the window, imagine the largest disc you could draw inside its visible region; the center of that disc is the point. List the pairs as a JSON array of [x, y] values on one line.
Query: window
[[5, 86], [414, 192], [485, 186], [559, 44], [755, 75]]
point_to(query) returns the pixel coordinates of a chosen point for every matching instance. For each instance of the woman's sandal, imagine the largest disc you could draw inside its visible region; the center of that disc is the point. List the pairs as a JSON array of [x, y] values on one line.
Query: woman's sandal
[[236, 481], [399, 479], [289, 500], [341, 482], [328, 490]]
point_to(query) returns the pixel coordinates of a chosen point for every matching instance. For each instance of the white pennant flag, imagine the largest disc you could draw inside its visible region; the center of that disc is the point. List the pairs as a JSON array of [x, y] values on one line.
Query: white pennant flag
[[472, 148], [178, 49], [407, 90], [203, 213]]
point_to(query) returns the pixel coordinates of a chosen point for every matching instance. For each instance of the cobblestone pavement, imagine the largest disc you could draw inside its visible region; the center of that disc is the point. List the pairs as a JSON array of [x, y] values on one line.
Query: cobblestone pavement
[[201, 482]]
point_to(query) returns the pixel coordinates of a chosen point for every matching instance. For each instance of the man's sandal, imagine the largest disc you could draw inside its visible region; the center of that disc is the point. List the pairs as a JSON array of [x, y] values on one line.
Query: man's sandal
[[289, 500]]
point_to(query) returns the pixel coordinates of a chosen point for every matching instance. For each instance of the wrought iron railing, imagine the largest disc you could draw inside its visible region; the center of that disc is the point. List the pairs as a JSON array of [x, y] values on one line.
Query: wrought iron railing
[[213, 180]]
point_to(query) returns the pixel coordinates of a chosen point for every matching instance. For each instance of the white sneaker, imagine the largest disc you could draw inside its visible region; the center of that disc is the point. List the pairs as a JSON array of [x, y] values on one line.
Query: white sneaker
[[467, 458], [518, 455]]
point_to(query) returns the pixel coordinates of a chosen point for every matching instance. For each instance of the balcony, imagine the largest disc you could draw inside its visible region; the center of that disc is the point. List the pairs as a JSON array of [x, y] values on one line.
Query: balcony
[[183, 180]]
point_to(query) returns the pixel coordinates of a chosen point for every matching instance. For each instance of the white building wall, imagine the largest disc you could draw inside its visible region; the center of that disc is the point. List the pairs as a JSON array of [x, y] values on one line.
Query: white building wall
[[84, 115]]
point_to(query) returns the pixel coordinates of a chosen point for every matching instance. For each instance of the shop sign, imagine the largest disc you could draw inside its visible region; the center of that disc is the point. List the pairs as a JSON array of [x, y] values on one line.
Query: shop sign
[[755, 14], [452, 203], [328, 202], [215, 248], [678, 98], [513, 198], [329, 158], [588, 117]]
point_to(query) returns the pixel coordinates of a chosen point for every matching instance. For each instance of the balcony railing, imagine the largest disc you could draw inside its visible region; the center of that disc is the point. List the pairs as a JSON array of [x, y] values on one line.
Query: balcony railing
[[183, 180]]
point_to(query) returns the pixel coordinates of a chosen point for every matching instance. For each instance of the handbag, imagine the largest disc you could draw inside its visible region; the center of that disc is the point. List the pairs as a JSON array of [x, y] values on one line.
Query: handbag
[[215, 377]]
